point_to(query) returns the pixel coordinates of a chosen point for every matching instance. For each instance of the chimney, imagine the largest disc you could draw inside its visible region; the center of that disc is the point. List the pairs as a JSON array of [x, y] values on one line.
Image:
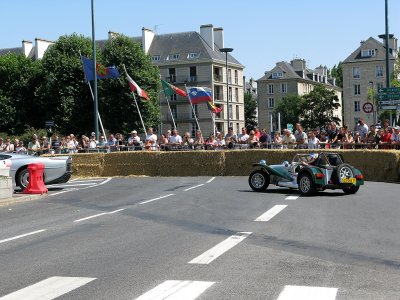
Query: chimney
[[392, 43], [41, 47], [27, 47], [112, 34], [219, 37], [298, 64], [147, 39], [207, 33]]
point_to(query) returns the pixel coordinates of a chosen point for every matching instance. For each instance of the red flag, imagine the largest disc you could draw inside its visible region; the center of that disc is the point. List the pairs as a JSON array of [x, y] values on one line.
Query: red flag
[[135, 88]]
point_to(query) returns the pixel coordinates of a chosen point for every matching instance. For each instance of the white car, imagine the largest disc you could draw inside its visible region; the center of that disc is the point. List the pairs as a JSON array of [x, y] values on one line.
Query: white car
[[56, 169]]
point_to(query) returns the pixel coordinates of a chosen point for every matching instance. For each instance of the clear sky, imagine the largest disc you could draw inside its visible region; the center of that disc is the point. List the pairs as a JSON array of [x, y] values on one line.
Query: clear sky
[[262, 32]]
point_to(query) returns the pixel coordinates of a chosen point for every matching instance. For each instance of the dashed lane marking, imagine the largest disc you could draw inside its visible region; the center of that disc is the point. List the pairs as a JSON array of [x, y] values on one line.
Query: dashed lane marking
[[98, 215], [155, 199], [177, 290], [293, 292], [268, 215], [193, 187], [220, 248], [292, 197], [21, 236], [49, 288]]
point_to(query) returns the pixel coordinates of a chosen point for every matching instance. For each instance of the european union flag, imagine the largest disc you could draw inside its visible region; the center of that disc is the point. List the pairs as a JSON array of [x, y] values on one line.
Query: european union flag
[[101, 71]]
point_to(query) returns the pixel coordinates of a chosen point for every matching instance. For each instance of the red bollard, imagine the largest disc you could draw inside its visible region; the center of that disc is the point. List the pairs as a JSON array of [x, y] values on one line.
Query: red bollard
[[36, 184]]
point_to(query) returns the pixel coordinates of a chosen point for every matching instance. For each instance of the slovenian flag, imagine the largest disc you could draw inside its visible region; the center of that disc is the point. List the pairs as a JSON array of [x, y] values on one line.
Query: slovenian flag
[[213, 108], [170, 89], [200, 95], [101, 71], [135, 88]]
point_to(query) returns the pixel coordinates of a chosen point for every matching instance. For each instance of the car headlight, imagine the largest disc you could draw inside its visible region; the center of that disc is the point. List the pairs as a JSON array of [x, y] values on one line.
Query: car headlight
[[263, 162]]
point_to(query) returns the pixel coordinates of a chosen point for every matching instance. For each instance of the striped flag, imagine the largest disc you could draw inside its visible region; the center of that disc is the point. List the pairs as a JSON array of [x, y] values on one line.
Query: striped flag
[[170, 89], [213, 108], [200, 95], [135, 88]]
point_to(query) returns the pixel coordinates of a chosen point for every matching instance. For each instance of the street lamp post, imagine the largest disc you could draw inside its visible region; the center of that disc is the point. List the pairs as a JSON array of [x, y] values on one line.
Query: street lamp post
[[226, 51]]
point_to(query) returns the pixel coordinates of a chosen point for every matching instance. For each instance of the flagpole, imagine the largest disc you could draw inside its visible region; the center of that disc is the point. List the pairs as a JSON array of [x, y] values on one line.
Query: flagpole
[[170, 111], [91, 92], [96, 103], [194, 113], [137, 106]]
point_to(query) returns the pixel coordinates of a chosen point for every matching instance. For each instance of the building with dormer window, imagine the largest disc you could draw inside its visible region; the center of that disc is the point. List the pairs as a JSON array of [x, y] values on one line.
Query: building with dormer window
[[290, 78]]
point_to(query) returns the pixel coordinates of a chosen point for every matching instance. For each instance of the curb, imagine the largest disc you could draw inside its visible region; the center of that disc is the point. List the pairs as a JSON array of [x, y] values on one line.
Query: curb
[[20, 198]]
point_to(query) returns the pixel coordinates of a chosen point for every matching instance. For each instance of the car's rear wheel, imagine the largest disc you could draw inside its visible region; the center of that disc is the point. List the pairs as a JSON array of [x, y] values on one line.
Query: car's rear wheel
[[351, 189], [22, 179], [306, 184], [259, 180]]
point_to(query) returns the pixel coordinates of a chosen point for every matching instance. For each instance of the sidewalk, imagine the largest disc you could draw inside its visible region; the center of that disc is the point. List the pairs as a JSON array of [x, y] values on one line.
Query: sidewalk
[[18, 197]]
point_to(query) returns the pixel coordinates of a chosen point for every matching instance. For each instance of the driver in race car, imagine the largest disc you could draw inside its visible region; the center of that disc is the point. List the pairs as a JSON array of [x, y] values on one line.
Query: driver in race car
[[310, 160]]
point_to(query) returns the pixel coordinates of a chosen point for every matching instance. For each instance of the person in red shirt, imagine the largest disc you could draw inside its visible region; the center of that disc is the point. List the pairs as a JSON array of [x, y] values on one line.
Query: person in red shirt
[[385, 138], [257, 132]]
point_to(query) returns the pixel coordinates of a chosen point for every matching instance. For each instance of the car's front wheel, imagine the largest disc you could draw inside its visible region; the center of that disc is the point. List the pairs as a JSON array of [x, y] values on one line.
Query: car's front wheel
[[22, 179], [259, 180], [306, 184], [351, 189]]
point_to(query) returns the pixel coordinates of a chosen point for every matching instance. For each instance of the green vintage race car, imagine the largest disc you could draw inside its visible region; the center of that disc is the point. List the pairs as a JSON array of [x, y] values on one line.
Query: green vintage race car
[[308, 173]]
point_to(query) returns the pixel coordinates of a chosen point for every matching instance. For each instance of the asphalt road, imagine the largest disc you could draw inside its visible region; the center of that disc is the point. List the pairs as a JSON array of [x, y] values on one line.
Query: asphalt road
[[182, 238]]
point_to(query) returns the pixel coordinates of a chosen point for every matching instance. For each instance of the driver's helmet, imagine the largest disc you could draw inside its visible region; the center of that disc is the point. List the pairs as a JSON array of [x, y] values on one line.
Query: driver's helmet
[[313, 156]]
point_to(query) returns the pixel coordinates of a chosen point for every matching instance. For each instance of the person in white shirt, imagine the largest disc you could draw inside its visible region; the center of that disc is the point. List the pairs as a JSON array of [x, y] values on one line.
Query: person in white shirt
[[176, 139], [243, 137], [395, 137], [362, 128], [134, 140], [151, 140], [313, 141]]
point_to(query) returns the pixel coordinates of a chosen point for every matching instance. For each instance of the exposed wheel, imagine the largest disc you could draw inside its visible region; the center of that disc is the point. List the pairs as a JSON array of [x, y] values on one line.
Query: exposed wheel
[[306, 184], [344, 171], [259, 180], [22, 179], [351, 189]]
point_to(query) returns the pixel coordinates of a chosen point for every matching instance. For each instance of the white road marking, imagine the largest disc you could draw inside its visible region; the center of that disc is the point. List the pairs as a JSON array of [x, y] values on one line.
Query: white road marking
[[193, 187], [292, 197], [268, 215], [91, 185], [62, 192], [49, 288], [211, 180], [21, 236], [69, 185], [98, 215], [155, 199], [177, 290], [292, 292], [220, 248], [88, 180]]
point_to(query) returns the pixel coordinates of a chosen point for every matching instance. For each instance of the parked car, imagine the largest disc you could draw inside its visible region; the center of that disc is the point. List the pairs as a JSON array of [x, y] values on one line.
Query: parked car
[[308, 173], [56, 169]]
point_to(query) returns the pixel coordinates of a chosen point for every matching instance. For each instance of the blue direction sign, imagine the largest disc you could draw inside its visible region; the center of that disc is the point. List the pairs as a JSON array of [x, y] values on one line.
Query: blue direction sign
[[392, 90]]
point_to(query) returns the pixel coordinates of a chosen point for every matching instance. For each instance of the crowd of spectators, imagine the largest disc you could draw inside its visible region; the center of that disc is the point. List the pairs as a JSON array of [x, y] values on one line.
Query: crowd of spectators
[[363, 136]]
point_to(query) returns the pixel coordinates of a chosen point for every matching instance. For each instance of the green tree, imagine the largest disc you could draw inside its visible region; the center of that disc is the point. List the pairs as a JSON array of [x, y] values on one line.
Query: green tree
[[337, 72], [290, 108], [318, 107], [19, 77], [115, 96], [63, 95], [250, 111]]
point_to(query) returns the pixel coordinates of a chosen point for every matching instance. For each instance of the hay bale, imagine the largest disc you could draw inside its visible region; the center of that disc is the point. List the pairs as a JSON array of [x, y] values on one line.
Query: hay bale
[[88, 164], [127, 163], [192, 163]]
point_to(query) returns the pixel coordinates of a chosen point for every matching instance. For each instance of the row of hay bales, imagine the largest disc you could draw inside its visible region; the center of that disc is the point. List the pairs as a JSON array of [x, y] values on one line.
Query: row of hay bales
[[376, 165]]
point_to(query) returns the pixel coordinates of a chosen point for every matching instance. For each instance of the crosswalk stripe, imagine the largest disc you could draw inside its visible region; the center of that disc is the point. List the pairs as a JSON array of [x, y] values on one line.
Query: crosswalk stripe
[[268, 215], [293, 292], [220, 248], [177, 290], [49, 288]]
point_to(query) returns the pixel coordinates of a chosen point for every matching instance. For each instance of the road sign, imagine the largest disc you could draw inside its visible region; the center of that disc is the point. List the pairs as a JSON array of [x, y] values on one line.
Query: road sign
[[387, 107], [393, 90], [389, 102], [49, 123], [368, 107], [388, 96]]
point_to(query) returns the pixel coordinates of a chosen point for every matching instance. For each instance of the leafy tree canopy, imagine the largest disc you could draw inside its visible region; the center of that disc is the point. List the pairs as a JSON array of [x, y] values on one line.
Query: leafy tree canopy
[[290, 108], [250, 111], [337, 72]]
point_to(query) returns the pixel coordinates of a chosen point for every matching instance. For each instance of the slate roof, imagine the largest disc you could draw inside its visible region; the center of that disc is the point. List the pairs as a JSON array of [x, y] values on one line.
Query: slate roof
[[371, 43], [185, 43]]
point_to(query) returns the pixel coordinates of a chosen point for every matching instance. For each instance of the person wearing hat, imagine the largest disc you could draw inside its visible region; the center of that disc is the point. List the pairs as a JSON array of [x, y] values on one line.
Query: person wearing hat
[[134, 141], [288, 139], [395, 137]]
